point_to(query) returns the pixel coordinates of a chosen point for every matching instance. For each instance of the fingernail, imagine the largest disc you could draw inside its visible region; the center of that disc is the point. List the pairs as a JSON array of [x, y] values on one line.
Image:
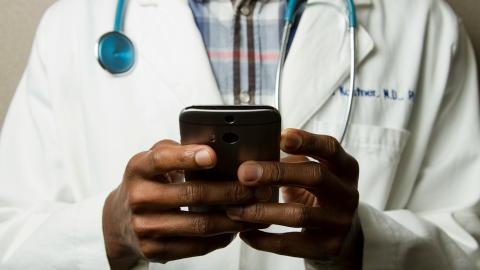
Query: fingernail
[[263, 193], [203, 158], [291, 141], [252, 172], [235, 211]]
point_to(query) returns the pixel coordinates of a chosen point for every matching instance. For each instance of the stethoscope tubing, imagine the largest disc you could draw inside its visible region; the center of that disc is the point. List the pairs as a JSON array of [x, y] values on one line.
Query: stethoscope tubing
[[353, 73], [352, 25], [119, 16], [289, 18], [281, 64]]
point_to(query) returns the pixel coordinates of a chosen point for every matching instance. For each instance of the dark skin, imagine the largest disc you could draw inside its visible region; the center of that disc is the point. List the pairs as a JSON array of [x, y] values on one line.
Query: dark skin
[[320, 197], [142, 217]]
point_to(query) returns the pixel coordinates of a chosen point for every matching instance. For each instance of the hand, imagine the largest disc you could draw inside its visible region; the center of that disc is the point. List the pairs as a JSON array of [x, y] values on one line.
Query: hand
[[142, 217], [320, 197]]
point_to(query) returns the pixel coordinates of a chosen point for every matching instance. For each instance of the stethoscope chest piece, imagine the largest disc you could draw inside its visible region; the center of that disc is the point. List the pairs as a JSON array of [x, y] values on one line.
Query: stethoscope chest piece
[[116, 53]]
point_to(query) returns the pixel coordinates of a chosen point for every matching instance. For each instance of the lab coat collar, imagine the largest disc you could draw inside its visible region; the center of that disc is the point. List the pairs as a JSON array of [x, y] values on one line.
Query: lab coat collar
[[318, 61], [171, 49]]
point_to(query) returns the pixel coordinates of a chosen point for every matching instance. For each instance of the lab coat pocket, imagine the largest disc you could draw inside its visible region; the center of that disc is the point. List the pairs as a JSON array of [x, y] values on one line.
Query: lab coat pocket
[[378, 151]]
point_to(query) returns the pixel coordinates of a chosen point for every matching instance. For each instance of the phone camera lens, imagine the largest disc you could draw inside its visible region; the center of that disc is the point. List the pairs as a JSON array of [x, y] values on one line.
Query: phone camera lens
[[230, 138], [230, 119]]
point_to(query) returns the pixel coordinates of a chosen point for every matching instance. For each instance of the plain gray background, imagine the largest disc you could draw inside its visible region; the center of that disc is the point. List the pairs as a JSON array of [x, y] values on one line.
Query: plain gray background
[[19, 19]]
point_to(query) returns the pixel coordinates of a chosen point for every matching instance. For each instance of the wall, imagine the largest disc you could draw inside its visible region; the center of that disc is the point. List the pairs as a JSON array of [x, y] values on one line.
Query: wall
[[469, 11], [18, 21]]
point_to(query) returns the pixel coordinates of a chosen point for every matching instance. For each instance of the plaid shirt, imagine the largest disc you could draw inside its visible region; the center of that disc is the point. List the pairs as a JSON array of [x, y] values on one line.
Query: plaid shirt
[[242, 39]]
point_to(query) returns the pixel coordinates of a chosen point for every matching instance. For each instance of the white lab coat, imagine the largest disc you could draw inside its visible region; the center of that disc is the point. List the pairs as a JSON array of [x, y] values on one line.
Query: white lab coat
[[72, 128]]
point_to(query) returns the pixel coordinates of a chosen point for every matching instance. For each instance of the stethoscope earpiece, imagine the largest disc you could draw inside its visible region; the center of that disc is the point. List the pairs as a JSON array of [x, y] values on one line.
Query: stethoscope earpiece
[[116, 53]]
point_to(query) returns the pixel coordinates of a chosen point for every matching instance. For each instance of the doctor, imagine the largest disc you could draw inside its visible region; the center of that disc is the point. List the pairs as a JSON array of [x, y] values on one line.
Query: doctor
[[411, 151]]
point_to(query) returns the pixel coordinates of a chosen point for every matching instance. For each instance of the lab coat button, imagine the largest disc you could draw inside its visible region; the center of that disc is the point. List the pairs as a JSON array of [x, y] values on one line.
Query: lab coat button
[[245, 10], [244, 98]]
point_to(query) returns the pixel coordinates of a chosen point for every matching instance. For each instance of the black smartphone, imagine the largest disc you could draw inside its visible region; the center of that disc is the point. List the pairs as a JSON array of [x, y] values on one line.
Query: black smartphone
[[236, 133]]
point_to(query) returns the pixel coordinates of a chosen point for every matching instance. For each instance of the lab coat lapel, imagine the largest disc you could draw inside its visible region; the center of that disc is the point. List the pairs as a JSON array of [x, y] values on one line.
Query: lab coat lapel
[[172, 50], [319, 60]]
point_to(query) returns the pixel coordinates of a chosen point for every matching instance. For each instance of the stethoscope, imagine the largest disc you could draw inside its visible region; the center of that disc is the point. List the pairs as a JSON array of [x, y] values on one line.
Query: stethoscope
[[116, 52]]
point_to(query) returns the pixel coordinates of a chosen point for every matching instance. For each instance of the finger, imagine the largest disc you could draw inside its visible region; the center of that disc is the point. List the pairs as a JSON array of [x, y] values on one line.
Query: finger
[[296, 244], [147, 195], [320, 147], [298, 195], [295, 194], [305, 174], [163, 143], [168, 156], [292, 215], [309, 175], [294, 159], [165, 250], [185, 224], [175, 177]]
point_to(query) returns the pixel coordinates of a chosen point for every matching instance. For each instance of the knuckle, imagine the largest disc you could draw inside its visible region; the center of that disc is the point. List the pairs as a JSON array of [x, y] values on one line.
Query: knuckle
[[298, 215], [153, 252], [148, 253], [164, 157], [281, 171], [332, 146], [133, 166], [201, 225], [158, 158], [238, 193], [192, 194], [163, 143], [273, 171], [138, 227], [314, 171], [135, 199], [184, 155], [255, 213]]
